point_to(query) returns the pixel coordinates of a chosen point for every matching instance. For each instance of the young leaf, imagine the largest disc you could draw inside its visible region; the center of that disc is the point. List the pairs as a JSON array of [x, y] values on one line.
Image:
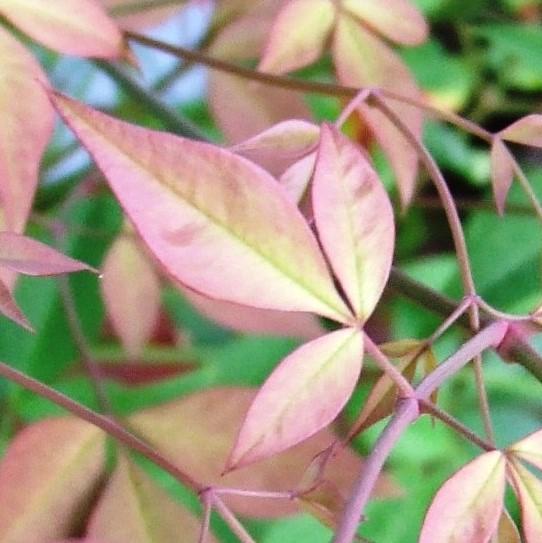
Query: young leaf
[[529, 449], [296, 178], [131, 290], [528, 489], [354, 219], [468, 506], [216, 222], [293, 45], [27, 124], [198, 432], [10, 309], [26, 255], [361, 59], [72, 27], [135, 16], [527, 130], [502, 173], [397, 20], [133, 508], [302, 395], [47, 476], [507, 531]]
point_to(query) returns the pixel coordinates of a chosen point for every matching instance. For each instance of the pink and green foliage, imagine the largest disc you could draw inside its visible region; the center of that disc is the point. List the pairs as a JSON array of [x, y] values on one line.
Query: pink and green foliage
[[245, 343]]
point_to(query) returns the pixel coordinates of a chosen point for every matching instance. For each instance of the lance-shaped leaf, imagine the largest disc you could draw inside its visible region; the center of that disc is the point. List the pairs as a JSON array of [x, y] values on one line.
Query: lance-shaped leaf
[[295, 180], [293, 45], [73, 27], [256, 321], [197, 433], [10, 309], [528, 489], [136, 15], [361, 59], [354, 218], [27, 124], [133, 508], [529, 449], [468, 506], [302, 395], [47, 476], [398, 20], [131, 290], [502, 173], [527, 131], [26, 255], [217, 223]]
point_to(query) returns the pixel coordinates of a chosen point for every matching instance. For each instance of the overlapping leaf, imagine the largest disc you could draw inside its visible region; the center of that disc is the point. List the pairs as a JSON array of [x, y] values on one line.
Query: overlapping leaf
[[304, 393], [293, 45], [468, 506], [218, 223], [134, 509], [47, 476], [354, 218], [198, 432], [529, 449], [529, 491], [527, 131], [137, 15], [73, 27], [131, 290], [381, 67], [507, 531], [27, 124]]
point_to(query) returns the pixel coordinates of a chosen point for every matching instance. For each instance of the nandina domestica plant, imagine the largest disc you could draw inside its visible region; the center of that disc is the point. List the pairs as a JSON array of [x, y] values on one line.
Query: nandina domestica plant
[[260, 341]]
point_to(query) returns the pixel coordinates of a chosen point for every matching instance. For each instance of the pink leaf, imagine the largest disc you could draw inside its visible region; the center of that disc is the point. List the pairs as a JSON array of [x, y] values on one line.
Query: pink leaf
[[256, 321], [72, 27], [135, 15], [361, 59], [133, 508], [10, 309], [529, 491], [49, 472], [354, 219], [295, 180], [527, 131], [197, 433], [31, 257], [27, 124], [293, 45], [529, 449], [217, 223], [502, 173], [302, 395], [467, 507], [131, 291], [398, 20], [507, 531]]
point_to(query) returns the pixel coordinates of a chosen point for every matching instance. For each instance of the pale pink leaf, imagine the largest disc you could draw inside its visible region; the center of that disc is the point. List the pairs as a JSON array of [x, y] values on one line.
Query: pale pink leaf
[[27, 125], [528, 489], [48, 474], [72, 27], [197, 433], [131, 291], [468, 506], [502, 173], [397, 20], [529, 449], [137, 15], [298, 35], [133, 508], [260, 106], [361, 60], [304, 394], [527, 130], [354, 219], [10, 309], [217, 223], [295, 180], [251, 320], [31, 257]]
